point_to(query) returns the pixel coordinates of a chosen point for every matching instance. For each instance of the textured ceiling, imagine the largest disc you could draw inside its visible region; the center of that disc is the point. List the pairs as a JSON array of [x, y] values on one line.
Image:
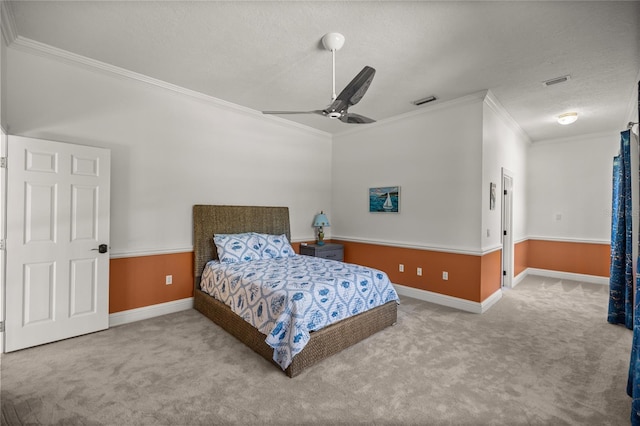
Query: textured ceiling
[[268, 56]]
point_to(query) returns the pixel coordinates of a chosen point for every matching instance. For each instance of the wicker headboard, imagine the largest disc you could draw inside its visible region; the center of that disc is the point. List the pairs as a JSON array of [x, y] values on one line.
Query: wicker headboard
[[209, 220]]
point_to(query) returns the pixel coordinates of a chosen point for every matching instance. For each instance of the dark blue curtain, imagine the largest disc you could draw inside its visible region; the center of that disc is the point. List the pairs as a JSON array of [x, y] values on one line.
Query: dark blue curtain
[[633, 383], [621, 272]]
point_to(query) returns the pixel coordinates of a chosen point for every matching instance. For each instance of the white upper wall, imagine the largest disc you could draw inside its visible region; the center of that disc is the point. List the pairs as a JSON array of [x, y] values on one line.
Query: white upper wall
[[169, 151], [435, 158], [569, 188], [444, 159], [504, 146], [3, 77]]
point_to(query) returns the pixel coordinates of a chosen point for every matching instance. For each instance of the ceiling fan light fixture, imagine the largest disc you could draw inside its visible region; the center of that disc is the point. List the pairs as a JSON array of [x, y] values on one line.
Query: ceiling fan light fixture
[[333, 41], [567, 118]]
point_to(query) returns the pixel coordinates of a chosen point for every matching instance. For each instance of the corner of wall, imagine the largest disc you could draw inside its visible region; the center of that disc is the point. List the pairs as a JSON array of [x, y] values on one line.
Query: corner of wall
[[491, 101]]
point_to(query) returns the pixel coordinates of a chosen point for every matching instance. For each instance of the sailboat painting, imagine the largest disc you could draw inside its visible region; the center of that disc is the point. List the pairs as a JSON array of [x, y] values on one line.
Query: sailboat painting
[[384, 199]]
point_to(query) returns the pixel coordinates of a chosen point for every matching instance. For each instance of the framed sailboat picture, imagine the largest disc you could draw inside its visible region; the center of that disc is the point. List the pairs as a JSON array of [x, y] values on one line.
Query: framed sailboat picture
[[385, 199]]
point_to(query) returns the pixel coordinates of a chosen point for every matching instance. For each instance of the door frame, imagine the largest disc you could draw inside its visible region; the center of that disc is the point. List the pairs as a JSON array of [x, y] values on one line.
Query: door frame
[[3, 231], [506, 234]]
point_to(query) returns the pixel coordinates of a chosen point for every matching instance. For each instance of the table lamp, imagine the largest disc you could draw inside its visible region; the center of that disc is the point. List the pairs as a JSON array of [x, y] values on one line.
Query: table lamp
[[319, 222]]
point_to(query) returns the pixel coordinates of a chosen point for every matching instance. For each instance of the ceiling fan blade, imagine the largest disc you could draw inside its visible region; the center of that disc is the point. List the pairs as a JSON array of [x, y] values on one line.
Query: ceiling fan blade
[[352, 118], [294, 112], [355, 90]]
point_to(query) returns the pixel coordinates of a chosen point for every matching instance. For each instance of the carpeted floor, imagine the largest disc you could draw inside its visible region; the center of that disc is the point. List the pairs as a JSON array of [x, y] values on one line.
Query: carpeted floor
[[543, 355]]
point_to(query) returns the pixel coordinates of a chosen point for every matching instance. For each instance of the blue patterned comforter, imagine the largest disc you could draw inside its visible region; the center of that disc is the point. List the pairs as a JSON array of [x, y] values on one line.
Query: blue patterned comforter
[[286, 298]]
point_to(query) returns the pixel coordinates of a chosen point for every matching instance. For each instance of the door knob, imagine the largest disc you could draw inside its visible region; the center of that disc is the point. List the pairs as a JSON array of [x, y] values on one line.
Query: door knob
[[102, 248]]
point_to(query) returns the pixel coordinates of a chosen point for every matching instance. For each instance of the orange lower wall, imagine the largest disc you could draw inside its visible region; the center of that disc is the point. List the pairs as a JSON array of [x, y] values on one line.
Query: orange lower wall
[[520, 257], [135, 282], [471, 277], [578, 258], [491, 273]]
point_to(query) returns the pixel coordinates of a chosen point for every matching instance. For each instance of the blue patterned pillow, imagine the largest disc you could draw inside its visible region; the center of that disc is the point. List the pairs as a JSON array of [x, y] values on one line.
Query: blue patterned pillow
[[274, 246], [233, 248]]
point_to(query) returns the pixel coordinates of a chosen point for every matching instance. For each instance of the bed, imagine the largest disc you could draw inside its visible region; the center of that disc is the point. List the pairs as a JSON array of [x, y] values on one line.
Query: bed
[[209, 220]]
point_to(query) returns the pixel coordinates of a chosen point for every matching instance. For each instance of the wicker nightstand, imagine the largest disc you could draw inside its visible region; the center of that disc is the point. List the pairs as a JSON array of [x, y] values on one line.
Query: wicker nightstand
[[331, 251]]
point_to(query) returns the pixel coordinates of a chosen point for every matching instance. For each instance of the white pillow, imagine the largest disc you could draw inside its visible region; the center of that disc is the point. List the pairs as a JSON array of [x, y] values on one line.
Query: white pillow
[[233, 248], [274, 246]]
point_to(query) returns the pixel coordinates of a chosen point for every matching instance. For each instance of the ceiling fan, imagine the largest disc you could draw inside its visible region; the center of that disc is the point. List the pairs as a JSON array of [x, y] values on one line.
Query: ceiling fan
[[350, 95]]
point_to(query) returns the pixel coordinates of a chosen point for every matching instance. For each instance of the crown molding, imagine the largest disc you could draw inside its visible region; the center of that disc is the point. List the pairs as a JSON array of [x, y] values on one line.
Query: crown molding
[[463, 100], [580, 138], [42, 49], [9, 32], [492, 102]]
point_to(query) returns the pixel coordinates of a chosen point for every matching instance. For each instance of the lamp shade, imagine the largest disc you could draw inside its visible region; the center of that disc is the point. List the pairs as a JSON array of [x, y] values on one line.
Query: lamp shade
[[321, 220]]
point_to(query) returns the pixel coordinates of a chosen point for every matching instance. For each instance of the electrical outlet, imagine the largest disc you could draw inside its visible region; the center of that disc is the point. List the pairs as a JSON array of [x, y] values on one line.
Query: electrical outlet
[[401, 267], [419, 272], [445, 275], [168, 279]]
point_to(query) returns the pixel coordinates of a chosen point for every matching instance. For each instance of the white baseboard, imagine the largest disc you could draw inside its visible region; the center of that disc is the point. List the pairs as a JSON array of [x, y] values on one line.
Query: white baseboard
[[490, 301], [450, 301], [147, 312], [593, 279], [518, 278]]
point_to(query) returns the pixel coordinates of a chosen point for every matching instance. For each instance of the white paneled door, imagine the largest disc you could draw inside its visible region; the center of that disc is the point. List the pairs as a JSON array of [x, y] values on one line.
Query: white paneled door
[[57, 274]]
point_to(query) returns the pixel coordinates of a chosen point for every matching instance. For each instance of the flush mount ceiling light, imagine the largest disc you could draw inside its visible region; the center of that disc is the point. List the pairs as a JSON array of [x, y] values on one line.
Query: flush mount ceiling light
[[567, 118]]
